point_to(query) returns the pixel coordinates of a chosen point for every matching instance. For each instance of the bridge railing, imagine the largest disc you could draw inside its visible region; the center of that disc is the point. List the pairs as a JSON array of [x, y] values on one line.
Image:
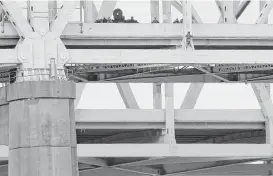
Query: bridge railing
[[38, 75]]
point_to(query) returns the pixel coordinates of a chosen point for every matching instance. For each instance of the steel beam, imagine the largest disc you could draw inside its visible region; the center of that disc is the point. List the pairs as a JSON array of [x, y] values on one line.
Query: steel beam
[[109, 171], [127, 95], [192, 95], [219, 5], [216, 151], [154, 7], [236, 169], [8, 56], [265, 12], [170, 56], [146, 136], [52, 10], [178, 169], [229, 138], [202, 78], [62, 17], [180, 150], [157, 97], [169, 114], [168, 34], [167, 14], [40, 14], [90, 11], [17, 19], [141, 170], [241, 8], [93, 161], [201, 31], [266, 105], [229, 12], [179, 160], [154, 119], [262, 4], [178, 6], [204, 35], [187, 42], [4, 152]]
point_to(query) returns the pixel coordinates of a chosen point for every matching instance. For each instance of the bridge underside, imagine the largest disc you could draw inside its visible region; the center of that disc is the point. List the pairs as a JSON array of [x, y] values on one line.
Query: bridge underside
[[132, 141]]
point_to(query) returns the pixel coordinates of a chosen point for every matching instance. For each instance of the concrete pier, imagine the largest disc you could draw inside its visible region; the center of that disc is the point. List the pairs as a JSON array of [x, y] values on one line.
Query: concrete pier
[[42, 133], [4, 117]]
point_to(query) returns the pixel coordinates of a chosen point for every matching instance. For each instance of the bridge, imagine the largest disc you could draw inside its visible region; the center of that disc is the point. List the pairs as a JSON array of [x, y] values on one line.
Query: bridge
[[47, 60]]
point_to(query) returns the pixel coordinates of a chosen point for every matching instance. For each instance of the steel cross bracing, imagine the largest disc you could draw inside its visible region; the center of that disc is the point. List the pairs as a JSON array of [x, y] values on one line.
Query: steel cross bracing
[[158, 141], [239, 36]]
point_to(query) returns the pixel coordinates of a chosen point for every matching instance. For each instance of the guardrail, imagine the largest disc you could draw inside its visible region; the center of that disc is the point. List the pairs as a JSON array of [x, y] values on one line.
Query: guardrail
[[37, 75]]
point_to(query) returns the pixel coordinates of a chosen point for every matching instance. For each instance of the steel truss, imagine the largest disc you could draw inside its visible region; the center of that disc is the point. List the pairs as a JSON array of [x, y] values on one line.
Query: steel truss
[[160, 141]]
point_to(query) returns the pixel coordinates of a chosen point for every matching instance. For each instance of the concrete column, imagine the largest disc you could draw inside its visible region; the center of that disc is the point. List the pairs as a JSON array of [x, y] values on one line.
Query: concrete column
[[42, 133], [4, 117]]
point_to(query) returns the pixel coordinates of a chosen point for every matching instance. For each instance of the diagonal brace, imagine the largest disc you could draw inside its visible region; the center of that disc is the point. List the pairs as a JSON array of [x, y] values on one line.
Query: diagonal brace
[[61, 19], [266, 105], [127, 95], [17, 19]]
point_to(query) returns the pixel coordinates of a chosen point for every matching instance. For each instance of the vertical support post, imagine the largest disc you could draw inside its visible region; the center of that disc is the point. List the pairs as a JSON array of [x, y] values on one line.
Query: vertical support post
[[167, 11], [187, 26], [154, 6], [157, 97], [267, 87], [90, 11], [169, 113], [53, 69], [229, 12]]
